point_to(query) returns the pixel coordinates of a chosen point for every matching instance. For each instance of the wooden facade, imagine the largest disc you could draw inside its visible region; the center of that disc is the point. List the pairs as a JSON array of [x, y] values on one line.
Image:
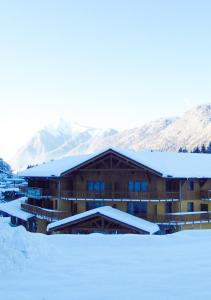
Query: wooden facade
[[114, 180]]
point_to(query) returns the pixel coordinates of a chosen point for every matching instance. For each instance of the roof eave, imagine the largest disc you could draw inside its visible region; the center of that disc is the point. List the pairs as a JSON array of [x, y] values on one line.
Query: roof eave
[[110, 150], [102, 215]]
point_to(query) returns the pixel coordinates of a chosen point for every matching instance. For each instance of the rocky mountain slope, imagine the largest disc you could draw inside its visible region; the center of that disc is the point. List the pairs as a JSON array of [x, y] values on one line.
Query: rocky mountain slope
[[63, 138]]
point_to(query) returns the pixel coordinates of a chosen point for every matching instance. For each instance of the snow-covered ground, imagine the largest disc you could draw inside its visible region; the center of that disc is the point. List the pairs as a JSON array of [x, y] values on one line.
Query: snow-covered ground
[[102, 267]]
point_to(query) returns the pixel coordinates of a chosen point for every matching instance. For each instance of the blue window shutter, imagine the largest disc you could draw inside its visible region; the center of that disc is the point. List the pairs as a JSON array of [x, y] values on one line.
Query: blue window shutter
[[144, 186], [130, 208], [90, 186], [102, 186], [137, 186], [96, 186], [131, 186]]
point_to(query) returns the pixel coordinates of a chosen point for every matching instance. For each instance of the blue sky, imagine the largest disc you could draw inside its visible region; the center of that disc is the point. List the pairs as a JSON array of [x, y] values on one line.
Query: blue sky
[[100, 63]]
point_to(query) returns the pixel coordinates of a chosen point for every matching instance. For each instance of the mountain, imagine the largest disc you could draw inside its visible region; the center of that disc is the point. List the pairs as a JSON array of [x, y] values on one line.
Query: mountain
[[5, 169], [55, 141], [63, 138]]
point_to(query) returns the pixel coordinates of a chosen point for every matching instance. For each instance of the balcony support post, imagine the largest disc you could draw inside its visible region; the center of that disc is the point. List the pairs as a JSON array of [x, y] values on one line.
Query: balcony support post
[[180, 199], [59, 189]]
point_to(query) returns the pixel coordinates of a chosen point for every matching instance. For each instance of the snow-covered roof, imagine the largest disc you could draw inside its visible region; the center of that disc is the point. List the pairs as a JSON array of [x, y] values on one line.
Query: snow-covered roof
[[168, 164], [13, 208], [112, 213], [10, 189]]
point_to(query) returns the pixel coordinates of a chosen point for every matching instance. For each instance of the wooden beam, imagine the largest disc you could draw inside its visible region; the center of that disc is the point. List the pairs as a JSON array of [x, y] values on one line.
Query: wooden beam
[[115, 170]]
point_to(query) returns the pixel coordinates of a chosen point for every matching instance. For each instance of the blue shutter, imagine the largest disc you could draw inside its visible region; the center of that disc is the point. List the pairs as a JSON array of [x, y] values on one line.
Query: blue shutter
[[137, 186], [131, 186], [96, 186], [144, 186], [90, 186], [102, 186], [130, 208]]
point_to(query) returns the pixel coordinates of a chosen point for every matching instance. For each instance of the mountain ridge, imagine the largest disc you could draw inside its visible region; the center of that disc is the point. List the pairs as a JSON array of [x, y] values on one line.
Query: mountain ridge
[[64, 138]]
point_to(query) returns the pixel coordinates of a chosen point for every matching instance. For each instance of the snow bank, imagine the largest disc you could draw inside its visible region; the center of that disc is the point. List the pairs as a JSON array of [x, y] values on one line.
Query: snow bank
[[17, 246], [93, 267]]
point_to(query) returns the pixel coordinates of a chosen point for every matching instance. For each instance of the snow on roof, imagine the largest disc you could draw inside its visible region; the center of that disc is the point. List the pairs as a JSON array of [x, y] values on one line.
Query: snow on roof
[[168, 164], [11, 189], [55, 167], [113, 213], [13, 208]]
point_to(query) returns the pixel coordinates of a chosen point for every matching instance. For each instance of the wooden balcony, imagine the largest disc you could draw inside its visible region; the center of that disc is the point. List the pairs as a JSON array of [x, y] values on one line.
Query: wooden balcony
[[38, 193], [48, 214], [121, 196], [178, 218]]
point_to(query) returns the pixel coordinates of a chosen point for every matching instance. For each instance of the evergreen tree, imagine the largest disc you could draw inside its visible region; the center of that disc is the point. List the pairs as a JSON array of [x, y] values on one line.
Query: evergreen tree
[[209, 148], [196, 150], [203, 149], [182, 150]]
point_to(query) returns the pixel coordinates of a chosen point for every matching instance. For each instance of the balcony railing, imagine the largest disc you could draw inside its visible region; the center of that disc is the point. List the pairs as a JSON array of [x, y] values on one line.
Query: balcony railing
[[178, 218], [38, 193], [48, 214], [121, 196]]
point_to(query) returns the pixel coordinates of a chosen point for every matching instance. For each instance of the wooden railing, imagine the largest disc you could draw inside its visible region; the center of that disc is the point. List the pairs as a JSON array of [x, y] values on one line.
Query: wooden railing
[[38, 193], [173, 219], [178, 218], [109, 195], [45, 213]]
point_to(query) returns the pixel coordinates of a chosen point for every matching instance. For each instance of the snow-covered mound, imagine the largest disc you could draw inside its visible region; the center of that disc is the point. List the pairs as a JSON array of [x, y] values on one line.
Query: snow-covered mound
[[18, 247], [93, 267]]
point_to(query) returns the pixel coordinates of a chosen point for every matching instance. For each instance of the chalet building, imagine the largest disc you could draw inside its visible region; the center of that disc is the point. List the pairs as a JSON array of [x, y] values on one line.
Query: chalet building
[[113, 190]]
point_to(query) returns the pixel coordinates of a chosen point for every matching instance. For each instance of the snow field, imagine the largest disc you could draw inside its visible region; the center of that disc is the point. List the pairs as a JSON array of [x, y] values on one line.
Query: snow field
[[102, 267]]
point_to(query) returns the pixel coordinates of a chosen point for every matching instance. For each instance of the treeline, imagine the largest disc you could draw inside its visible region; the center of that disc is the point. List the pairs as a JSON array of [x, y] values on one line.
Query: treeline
[[197, 149]]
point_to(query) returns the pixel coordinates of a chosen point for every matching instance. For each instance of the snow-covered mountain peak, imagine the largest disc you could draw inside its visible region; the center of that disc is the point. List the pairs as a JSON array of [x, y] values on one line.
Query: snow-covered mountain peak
[[66, 127], [64, 138], [202, 113]]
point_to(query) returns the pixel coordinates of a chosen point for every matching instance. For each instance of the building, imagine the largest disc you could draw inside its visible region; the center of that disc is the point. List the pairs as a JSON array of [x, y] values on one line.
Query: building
[[172, 190]]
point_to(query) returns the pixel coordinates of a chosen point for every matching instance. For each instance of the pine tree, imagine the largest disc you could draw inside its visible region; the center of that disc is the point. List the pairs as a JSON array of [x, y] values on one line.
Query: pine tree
[[196, 150], [203, 149], [209, 148]]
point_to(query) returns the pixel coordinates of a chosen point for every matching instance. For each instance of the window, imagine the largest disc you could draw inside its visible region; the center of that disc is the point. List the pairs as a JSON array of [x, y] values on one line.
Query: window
[[168, 186], [190, 207], [204, 207], [93, 204], [95, 186], [137, 186], [140, 207], [168, 208], [190, 185]]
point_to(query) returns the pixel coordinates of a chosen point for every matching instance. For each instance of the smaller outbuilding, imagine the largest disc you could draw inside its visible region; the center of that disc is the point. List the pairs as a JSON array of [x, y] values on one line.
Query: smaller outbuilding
[[104, 219]]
